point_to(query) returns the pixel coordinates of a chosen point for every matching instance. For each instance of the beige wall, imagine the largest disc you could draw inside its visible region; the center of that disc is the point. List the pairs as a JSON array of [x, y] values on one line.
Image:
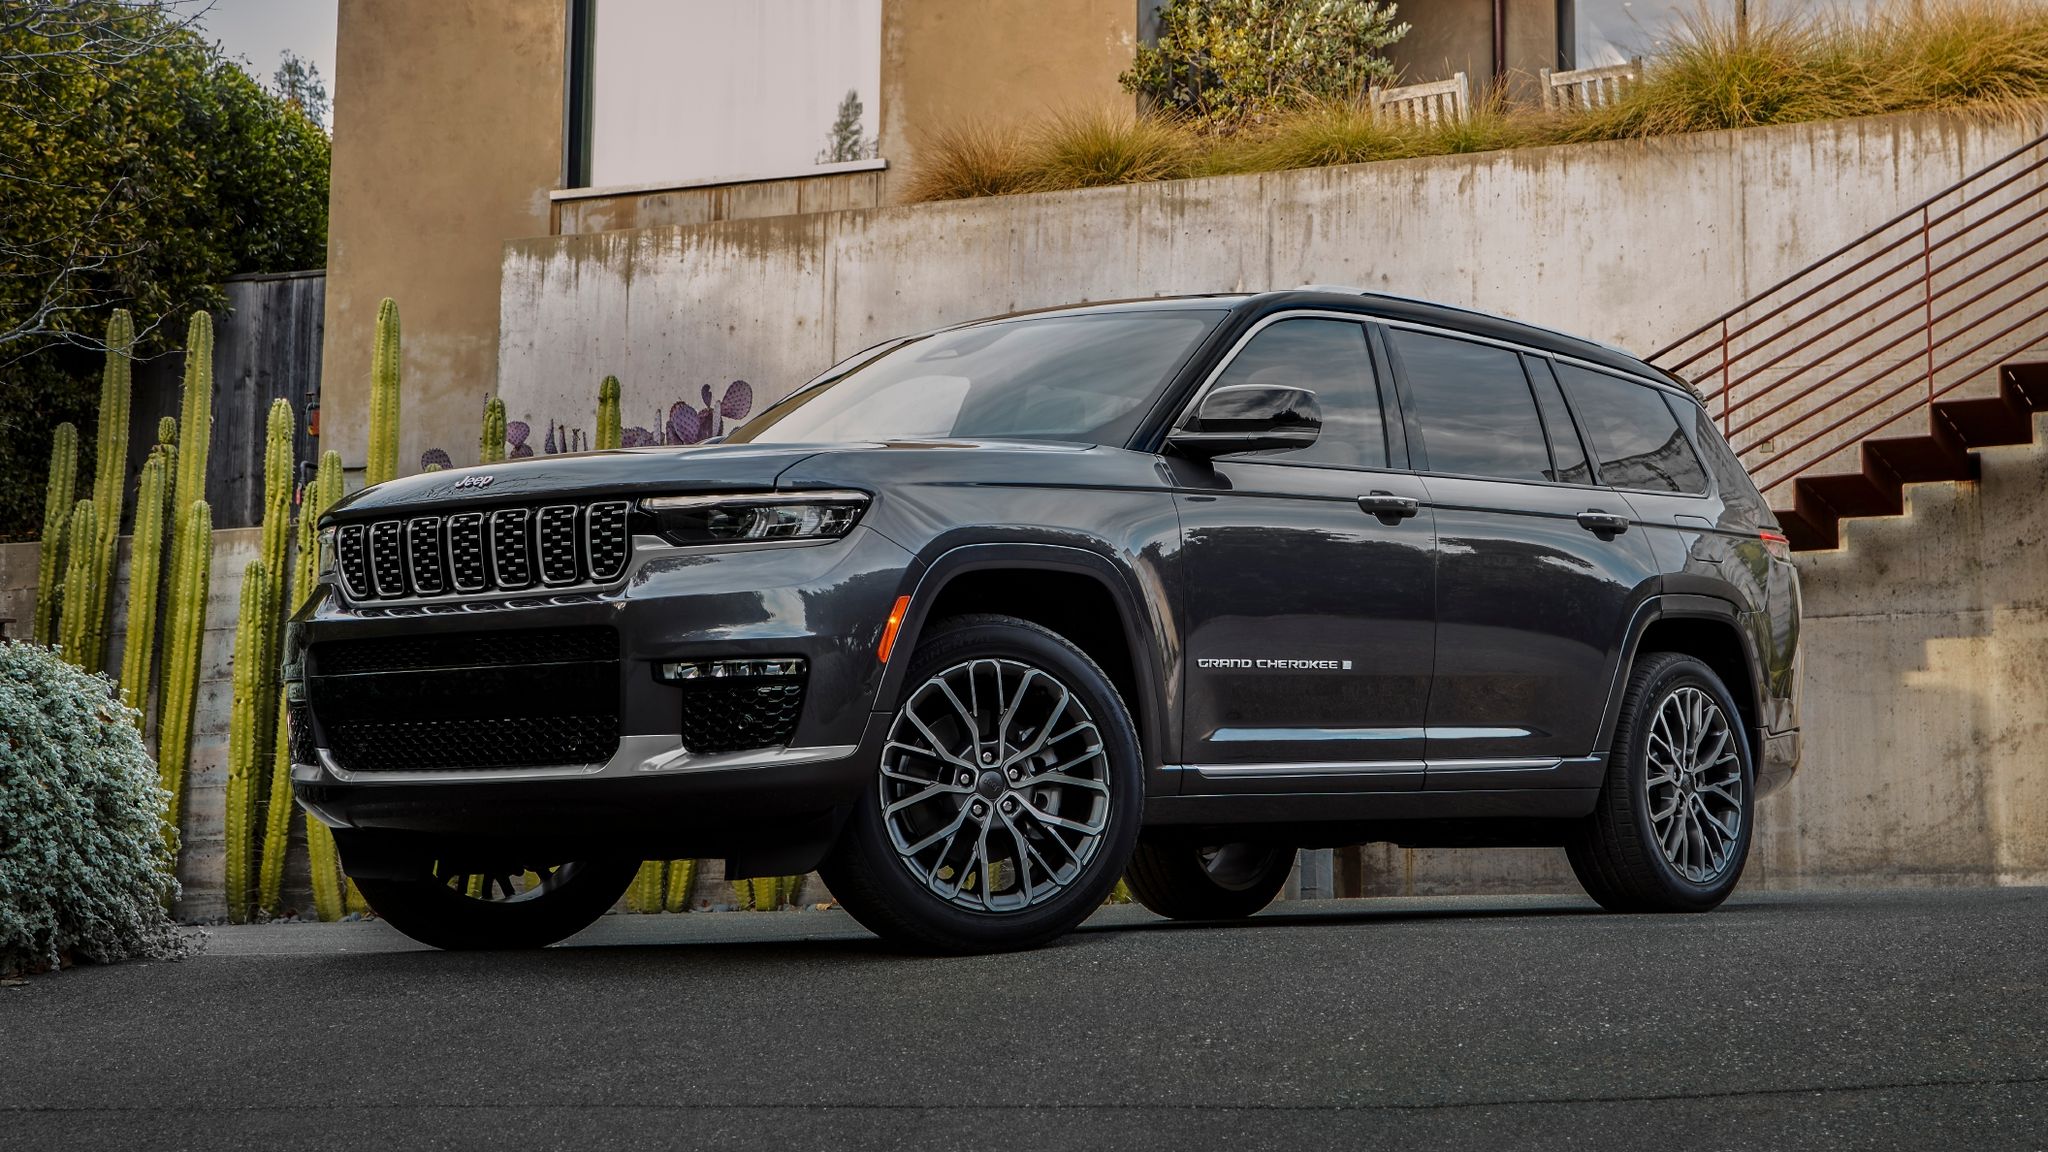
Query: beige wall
[[447, 139], [950, 62]]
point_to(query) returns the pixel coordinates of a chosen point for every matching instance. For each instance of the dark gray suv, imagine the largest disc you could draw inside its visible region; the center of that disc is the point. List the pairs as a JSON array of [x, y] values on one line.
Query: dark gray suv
[[983, 619]]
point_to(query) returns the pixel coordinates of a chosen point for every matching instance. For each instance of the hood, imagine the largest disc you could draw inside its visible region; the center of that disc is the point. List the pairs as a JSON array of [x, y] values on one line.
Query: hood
[[630, 471]]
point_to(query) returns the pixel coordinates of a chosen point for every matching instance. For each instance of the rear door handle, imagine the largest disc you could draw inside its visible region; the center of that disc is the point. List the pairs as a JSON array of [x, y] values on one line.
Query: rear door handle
[[1388, 506], [1604, 523]]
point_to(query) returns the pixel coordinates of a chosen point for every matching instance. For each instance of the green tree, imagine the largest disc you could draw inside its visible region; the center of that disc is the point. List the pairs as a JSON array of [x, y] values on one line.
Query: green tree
[[140, 169], [844, 140], [1225, 62], [298, 80]]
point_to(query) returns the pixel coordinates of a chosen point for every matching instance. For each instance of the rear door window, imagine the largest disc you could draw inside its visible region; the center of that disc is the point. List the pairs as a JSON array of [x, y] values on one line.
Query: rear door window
[[1472, 406], [1633, 432]]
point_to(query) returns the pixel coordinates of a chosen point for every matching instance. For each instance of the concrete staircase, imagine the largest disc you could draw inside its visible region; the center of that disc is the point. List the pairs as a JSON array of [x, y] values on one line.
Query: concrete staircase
[[1891, 360]]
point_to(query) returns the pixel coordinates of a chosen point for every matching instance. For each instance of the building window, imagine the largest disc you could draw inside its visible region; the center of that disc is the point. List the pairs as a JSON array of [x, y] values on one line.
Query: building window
[[694, 91]]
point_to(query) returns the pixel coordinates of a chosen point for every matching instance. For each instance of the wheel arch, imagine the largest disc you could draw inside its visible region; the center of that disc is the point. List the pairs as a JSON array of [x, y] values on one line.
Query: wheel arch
[[1707, 628], [1067, 590]]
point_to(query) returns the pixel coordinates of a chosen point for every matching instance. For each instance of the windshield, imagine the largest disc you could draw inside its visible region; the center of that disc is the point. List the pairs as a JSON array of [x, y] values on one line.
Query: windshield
[[1087, 378]]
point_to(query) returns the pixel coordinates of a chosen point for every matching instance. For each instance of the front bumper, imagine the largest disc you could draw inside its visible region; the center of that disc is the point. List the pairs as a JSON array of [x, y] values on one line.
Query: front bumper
[[652, 796]]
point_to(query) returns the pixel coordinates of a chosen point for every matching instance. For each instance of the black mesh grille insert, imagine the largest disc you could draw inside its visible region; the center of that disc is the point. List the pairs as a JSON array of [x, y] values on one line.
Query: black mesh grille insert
[[299, 723], [353, 556], [364, 745], [422, 652], [734, 715], [556, 533], [466, 551], [607, 540], [423, 555], [387, 558], [511, 548]]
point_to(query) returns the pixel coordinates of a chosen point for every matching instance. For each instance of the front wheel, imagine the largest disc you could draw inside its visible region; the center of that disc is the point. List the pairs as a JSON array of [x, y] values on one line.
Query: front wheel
[[500, 908], [1672, 828], [1008, 799]]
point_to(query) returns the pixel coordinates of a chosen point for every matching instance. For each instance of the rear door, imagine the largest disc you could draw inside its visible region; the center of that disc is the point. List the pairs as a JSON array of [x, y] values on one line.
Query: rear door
[[1537, 565], [1310, 629]]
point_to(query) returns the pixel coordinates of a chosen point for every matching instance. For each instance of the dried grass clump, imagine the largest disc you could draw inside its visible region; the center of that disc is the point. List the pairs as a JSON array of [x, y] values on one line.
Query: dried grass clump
[[1989, 55]]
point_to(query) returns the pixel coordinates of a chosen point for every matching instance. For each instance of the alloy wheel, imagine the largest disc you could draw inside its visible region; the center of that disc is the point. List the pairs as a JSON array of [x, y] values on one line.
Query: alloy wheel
[[995, 785], [1695, 785]]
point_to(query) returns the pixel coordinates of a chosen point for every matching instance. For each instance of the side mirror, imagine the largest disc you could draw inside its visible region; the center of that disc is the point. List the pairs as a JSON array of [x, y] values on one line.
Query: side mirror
[[1250, 418]]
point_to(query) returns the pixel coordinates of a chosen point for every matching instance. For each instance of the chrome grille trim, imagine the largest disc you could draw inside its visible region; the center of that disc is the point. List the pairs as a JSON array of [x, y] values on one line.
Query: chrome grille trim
[[512, 549], [467, 570], [502, 550], [423, 563], [554, 537]]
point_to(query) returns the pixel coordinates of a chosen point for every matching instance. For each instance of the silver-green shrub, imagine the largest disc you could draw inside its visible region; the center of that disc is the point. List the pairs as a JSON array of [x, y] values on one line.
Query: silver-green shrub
[[85, 870]]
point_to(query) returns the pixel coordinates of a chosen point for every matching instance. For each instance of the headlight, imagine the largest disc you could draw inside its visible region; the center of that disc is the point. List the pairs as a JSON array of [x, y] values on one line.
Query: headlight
[[729, 519], [327, 555]]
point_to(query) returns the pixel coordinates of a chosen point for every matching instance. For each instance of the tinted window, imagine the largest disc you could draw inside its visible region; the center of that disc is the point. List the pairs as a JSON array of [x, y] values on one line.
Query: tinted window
[[1633, 433], [1473, 405], [1089, 378], [1568, 456], [1327, 357]]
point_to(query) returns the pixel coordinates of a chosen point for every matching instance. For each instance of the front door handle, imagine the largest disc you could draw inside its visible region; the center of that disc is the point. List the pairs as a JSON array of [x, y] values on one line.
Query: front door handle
[[1603, 523], [1389, 507]]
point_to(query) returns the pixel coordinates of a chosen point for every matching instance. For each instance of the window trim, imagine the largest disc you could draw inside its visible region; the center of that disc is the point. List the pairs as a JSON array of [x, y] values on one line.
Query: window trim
[[1664, 396], [1229, 357]]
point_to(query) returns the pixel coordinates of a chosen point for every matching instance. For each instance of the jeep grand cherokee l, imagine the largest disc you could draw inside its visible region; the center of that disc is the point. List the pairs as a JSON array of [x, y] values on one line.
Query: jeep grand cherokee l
[[981, 620]]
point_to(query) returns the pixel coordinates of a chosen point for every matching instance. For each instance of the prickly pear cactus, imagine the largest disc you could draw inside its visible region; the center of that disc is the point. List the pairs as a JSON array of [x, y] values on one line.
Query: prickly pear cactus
[[57, 502], [81, 553], [382, 463]]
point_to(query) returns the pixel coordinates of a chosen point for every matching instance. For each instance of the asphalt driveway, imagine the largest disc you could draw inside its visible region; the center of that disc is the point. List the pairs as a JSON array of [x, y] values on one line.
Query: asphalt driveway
[[1901, 1019]]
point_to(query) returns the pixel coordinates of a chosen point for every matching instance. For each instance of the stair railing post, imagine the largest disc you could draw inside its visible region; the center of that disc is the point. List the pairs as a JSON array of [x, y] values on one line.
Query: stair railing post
[[1724, 376], [1927, 298]]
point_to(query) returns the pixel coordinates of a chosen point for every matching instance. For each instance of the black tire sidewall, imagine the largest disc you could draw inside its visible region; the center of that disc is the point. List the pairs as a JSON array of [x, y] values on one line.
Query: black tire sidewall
[[911, 913], [431, 912], [1666, 679], [1167, 877]]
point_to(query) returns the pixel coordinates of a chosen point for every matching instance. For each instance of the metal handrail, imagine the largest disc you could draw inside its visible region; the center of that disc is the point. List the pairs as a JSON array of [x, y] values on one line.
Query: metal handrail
[[1821, 346]]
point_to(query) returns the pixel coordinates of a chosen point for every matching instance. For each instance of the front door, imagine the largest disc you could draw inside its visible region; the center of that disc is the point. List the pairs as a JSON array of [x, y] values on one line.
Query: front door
[[1308, 579]]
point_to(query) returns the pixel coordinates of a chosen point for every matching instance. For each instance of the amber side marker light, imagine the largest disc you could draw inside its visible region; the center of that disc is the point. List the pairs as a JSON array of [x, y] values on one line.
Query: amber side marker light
[[889, 628]]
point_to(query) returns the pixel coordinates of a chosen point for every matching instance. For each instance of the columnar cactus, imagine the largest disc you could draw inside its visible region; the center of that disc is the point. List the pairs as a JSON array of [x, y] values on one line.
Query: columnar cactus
[[648, 887], [325, 863], [383, 459], [277, 819], [189, 587], [490, 447], [245, 725], [279, 463], [682, 885], [81, 552], [110, 477], [607, 414], [195, 427], [145, 581], [56, 515]]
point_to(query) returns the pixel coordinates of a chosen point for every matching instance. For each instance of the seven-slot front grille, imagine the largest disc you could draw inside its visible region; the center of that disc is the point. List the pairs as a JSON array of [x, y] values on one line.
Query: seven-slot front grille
[[505, 550]]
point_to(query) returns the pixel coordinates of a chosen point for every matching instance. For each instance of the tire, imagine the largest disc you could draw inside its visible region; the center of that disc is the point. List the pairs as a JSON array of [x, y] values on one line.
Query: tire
[[440, 910], [1049, 807], [1659, 839], [1182, 880]]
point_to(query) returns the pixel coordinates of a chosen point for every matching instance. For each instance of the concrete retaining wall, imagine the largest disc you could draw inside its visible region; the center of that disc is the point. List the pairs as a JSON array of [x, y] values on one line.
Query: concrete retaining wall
[[1635, 243]]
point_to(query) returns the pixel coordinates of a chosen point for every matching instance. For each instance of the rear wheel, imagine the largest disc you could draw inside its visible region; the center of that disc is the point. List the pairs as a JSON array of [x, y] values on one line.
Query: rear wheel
[[1187, 881], [1672, 828], [508, 907], [1008, 799]]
